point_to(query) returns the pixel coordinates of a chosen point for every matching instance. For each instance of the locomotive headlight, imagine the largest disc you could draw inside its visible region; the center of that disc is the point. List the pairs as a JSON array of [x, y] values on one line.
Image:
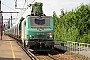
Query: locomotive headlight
[[40, 28], [30, 36], [50, 36]]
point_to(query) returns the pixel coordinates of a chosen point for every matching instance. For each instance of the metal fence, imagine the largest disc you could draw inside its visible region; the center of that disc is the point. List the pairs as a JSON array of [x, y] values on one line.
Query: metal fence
[[75, 47]]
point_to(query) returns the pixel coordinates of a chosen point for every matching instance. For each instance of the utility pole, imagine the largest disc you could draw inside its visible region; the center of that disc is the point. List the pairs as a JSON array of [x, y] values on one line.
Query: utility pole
[[11, 19], [1, 21]]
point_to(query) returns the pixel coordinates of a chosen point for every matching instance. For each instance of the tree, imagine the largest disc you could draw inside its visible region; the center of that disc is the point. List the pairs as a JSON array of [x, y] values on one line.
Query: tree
[[73, 25]]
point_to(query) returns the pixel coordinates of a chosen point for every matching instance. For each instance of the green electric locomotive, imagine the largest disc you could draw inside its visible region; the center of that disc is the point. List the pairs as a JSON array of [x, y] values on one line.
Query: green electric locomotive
[[37, 30]]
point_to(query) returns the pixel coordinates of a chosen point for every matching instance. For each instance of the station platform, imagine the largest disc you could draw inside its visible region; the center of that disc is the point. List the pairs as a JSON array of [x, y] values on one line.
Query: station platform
[[10, 50]]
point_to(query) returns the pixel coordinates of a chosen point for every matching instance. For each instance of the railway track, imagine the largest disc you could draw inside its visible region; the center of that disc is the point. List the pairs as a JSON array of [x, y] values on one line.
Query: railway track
[[53, 57], [47, 57]]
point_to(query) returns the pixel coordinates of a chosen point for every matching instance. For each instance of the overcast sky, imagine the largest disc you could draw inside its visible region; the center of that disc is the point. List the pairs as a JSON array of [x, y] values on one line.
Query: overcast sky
[[48, 5]]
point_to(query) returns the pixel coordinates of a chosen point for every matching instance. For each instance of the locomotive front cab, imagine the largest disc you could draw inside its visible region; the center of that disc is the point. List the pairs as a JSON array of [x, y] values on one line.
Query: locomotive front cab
[[40, 32]]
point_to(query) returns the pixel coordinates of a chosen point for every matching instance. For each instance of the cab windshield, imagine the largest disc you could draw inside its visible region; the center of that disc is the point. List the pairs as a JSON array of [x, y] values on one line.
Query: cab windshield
[[40, 21]]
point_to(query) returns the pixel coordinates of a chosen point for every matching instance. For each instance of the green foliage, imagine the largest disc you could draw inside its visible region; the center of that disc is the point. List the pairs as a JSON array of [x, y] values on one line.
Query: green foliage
[[73, 25]]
